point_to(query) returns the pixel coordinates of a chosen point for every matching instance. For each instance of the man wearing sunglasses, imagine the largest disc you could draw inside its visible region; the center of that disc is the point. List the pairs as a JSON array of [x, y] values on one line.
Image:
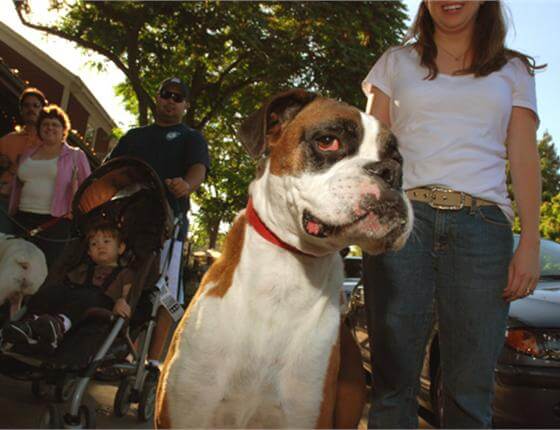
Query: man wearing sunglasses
[[179, 155], [12, 145]]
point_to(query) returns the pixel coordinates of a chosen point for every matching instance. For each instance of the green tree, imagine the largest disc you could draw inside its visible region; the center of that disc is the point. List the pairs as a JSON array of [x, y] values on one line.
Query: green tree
[[550, 219], [550, 171], [550, 165], [224, 48], [234, 55]]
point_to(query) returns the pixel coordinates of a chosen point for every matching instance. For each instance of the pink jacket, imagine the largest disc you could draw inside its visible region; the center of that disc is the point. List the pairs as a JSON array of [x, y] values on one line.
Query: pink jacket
[[73, 169]]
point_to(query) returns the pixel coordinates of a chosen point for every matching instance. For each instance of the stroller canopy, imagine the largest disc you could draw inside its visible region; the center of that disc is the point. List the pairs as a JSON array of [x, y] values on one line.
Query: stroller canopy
[[128, 192]]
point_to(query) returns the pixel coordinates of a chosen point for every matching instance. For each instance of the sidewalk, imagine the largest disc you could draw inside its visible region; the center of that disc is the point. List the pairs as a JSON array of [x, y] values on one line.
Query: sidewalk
[[21, 410]]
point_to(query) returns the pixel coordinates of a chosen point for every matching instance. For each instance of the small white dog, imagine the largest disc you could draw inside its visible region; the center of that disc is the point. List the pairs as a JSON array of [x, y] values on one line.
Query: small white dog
[[23, 269]]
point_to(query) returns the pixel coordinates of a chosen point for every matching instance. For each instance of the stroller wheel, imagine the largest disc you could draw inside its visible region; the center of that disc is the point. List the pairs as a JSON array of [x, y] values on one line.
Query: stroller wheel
[[147, 403], [86, 417], [38, 389], [51, 418], [64, 389], [123, 399]]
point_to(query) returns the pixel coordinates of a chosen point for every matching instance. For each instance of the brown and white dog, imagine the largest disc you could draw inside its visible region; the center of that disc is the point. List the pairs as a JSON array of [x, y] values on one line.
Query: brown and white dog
[[262, 344]]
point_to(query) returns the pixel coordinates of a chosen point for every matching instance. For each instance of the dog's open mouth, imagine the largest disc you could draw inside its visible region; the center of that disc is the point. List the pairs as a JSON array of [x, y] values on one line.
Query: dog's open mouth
[[315, 227], [372, 215]]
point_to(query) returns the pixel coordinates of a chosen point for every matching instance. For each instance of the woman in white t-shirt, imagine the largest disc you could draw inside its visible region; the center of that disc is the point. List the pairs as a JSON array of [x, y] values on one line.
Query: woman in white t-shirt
[[460, 105]]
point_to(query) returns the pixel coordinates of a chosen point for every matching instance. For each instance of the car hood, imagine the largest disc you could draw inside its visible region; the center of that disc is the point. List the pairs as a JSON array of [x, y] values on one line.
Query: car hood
[[541, 309]]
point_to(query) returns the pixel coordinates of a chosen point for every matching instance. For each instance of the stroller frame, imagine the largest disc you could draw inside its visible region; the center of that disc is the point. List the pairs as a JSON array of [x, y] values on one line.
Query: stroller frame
[[140, 376]]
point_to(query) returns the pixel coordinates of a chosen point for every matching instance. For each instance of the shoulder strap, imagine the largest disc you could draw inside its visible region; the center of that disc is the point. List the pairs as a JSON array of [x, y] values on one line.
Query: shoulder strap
[[112, 276], [89, 274]]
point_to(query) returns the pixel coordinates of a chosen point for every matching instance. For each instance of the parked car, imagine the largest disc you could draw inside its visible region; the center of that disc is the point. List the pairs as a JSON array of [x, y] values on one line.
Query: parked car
[[352, 276], [527, 389]]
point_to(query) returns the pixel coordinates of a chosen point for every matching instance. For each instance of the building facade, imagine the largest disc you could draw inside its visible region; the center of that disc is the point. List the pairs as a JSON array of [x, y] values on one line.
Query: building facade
[[22, 64]]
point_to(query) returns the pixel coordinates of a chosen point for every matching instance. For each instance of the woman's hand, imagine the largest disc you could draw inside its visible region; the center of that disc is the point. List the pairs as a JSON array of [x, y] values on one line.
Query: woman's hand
[[122, 308], [524, 271]]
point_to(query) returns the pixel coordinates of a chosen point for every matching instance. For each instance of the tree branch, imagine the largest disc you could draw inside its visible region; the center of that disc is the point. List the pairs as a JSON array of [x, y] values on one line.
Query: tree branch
[[226, 94], [78, 40]]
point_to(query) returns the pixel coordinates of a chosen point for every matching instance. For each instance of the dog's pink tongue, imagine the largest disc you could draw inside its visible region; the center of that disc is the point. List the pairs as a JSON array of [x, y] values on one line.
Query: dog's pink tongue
[[313, 227]]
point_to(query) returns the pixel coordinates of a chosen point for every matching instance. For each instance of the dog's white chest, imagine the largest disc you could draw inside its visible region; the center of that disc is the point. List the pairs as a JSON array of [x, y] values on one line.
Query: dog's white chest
[[258, 356]]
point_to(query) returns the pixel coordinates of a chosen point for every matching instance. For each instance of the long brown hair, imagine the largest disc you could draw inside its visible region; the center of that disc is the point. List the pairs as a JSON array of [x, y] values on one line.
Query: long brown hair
[[490, 52]]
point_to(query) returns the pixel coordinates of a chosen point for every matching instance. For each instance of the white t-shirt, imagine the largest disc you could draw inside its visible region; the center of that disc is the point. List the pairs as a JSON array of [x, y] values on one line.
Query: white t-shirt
[[452, 129], [39, 179]]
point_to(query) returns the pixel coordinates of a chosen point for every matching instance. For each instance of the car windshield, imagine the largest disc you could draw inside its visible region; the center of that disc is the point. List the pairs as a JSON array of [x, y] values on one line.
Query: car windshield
[[353, 267], [550, 259]]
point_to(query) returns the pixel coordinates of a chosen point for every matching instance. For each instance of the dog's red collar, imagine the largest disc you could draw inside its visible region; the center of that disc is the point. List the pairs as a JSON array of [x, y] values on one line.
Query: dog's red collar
[[265, 232]]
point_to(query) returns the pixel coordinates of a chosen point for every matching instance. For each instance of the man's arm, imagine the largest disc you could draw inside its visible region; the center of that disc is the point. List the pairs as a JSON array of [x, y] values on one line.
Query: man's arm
[[182, 187], [197, 154]]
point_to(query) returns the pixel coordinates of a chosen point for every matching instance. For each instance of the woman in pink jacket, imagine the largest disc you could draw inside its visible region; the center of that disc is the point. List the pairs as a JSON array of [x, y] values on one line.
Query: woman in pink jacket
[[45, 183]]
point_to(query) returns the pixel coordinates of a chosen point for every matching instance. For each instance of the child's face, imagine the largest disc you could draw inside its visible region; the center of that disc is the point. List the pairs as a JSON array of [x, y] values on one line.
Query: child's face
[[105, 249]]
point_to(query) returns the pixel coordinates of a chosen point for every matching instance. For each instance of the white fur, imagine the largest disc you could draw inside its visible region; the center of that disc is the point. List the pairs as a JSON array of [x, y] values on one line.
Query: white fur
[[23, 268], [258, 356]]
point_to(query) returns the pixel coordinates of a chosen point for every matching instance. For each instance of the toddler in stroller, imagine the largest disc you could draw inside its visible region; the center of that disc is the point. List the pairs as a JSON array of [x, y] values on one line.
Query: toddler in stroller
[[103, 283], [126, 193]]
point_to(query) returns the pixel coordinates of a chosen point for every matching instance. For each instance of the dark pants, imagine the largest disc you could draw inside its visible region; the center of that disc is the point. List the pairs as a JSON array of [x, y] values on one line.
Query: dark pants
[[73, 302], [455, 264], [52, 240], [6, 224]]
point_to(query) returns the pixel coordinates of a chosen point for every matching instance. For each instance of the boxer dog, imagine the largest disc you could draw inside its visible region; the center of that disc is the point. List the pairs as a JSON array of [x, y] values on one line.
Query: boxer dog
[[262, 343]]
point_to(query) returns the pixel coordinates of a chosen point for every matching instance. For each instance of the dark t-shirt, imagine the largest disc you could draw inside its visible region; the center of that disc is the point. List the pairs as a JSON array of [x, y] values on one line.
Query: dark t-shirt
[[170, 151]]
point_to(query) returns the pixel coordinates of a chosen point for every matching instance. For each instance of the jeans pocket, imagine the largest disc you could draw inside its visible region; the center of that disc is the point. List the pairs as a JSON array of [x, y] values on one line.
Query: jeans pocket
[[493, 215]]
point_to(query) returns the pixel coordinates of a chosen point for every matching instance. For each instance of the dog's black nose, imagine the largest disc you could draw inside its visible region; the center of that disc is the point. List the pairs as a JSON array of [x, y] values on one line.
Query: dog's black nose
[[389, 170]]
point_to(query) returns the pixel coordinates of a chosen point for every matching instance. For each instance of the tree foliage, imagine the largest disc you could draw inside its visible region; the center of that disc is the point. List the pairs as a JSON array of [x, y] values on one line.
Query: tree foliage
[[550, 209], [550, 165], [549, 226], [224, 48], [233, 55], [550, 219]]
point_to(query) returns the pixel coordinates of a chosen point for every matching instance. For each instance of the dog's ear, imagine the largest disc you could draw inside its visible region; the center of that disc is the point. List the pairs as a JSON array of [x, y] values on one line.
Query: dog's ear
[[270, 118]]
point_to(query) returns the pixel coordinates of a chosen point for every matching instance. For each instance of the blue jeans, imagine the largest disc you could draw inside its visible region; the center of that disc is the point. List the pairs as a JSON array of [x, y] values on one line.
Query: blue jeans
[[455, 266]]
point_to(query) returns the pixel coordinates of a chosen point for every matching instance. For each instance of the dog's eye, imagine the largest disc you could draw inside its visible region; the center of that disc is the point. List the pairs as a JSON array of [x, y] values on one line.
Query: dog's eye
[[328, 144]]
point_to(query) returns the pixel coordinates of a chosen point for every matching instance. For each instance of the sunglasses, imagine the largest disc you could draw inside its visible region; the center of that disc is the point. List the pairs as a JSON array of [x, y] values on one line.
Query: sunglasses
[[31, 105], [176, 97]]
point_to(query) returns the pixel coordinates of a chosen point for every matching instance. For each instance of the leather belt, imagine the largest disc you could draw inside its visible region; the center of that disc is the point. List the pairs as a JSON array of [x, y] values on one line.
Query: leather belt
[[445, 198]]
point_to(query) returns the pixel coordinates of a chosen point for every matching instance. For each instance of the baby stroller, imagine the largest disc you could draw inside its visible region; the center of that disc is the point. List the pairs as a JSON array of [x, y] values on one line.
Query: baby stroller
[[128, 192]]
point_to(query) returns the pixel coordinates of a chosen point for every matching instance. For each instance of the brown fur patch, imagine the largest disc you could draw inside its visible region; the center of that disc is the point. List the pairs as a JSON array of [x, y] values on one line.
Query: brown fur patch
[[221, 272], [286, 154], [344, 389], [326, 414], [351, 384], [162, 420], [386, 141]]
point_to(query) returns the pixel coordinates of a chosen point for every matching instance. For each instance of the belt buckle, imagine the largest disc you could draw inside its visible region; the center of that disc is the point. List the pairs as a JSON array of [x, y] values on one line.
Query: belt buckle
[[433, 204]]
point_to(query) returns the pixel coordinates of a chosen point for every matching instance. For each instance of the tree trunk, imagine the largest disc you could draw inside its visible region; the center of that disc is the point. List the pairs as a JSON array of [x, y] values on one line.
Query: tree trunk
[[142, 110], [214, 228]]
